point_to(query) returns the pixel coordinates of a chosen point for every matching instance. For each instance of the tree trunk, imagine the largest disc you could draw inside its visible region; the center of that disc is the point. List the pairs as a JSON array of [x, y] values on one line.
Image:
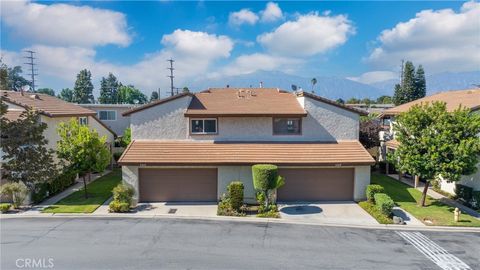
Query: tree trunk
[[424, 194], [85, 186], [89, 177]]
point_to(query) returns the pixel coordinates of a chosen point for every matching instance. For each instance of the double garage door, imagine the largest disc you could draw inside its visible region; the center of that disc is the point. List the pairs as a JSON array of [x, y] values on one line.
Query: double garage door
[[308, 184]]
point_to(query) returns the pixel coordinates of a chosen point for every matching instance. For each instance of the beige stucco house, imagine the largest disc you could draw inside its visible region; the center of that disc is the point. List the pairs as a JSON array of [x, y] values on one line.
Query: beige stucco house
[[112, 115], [469, 98], [189, 147]]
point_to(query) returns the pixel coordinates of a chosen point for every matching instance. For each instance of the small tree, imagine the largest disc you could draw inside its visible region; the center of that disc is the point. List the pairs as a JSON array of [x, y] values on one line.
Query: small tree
[[66, 94], [126, 138], [26, 156], [83, 149], [83, 89], [369, 133], [154, 96], [436, 144], [265, 178]]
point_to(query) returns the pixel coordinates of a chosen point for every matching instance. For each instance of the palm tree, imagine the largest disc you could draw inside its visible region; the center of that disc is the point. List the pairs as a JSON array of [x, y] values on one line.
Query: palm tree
[[313, 81]]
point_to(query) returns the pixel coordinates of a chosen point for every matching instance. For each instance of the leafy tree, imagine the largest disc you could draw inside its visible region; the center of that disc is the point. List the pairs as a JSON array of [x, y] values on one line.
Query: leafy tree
[[369, 133], [48, 91], [83, 89], [154, 96], [26, 156], [3, 76], [341, 101], [437, 144], [384, 100], [109, 90], [420, 83], [126, 138], [313, 82], [83, 149], [353, 101], [130, 95], [14, 79], [185, 90], [66, 94]]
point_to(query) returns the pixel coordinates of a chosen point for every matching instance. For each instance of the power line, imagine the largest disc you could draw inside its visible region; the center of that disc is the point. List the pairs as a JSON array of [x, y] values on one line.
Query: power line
[[33, 71], [172, 88]]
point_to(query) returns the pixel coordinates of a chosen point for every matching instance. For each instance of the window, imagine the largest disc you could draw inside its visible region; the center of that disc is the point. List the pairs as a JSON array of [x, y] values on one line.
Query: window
[[107, 115], [287, 126], [83, 120], [203, 126]]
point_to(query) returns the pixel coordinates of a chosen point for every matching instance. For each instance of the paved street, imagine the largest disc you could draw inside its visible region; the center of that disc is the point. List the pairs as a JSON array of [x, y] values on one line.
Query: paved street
[[114, 243]]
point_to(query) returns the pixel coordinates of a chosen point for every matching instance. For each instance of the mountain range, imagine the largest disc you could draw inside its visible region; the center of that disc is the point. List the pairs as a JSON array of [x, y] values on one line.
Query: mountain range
[[336, 87]]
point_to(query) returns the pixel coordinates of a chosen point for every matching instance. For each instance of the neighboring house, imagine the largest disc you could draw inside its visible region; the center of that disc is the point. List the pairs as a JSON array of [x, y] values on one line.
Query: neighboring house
[[111, 115], [189, 147], [371, 108], [469, 98], [53, 111]]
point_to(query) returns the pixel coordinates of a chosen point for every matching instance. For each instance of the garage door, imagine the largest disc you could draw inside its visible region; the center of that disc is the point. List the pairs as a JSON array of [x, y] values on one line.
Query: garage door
[[156, 185], [316, 185]]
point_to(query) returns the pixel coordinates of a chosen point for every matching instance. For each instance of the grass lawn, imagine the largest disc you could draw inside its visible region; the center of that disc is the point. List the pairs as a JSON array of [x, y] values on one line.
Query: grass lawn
[[375, 213], [407, 197], [98, 192]]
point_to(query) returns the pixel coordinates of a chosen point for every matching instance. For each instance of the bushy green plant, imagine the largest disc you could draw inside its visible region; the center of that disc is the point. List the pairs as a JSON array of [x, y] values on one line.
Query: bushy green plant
[[463, 192], [372, 190], [17, 191], [264, 176], [225, 208], [55, 186], [4, 207], [123, 193], [384, 203], [271, 211], [119, 207], [235, 193]]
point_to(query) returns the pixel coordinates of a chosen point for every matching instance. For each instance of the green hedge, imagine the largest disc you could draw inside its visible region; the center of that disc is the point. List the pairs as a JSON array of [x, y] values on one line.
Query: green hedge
[[4, 207], [384, 203], [119, 207], [235, 193], [463, 192], [264, 176], [372, 190], [57, 185]]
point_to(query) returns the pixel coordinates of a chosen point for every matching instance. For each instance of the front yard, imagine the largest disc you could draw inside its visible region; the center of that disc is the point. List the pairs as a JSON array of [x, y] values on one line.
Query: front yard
[[98, 192], [434, 213]]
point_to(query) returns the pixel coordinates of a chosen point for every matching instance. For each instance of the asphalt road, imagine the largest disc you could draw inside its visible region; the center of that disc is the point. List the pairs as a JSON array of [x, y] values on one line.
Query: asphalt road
[[113, 243]]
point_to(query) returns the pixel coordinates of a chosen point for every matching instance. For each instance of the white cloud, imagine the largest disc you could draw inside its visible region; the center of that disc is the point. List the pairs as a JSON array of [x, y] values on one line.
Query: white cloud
[[249, 63], [65, 25], [308, 35], [374, 76], [271, 13], [194, 52], [243, 16], [441, 40]]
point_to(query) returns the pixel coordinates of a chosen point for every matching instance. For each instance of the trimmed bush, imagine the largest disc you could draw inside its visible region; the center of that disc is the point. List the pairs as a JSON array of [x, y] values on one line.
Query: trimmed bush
[[463, 192], [372, 190], [119, 207], [123, 193], [4, 207], [225, 208], [235, 193], [476, 199], [264, 176], [17, 191], [384, 203]]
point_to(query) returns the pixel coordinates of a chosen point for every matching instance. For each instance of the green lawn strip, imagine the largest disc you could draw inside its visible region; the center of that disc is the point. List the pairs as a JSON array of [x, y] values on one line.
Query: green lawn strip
[[375, 213], [98, 192], [406, 197]]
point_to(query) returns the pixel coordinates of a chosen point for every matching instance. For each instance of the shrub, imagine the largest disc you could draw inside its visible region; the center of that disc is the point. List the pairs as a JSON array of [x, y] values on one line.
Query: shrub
[[63, 181], [235, 193], [17, 191], [123, 193], [476, 199], [119, 207], [268, 212], [4, 207], [384, 203], [372, 190], [225, 208], [463, 192], [264, 176]]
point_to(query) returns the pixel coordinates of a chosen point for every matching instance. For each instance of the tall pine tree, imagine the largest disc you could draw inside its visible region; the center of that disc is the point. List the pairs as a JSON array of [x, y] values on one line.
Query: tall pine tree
[[412, 86], [420, 83], [109, 90], [83, 89]]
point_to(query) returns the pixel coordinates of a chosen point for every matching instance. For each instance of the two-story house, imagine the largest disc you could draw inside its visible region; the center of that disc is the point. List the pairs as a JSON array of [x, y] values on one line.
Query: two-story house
[[111, 115], [189, 147], [469, 98]]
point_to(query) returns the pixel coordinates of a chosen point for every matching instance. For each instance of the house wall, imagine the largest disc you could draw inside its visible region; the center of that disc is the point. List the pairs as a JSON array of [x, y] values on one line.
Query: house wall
[[227, 174], [120, 124], [167, 122]]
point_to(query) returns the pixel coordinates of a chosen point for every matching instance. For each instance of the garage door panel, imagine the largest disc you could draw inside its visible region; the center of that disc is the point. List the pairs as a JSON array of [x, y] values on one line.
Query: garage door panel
[[312, 184], [178, 185]]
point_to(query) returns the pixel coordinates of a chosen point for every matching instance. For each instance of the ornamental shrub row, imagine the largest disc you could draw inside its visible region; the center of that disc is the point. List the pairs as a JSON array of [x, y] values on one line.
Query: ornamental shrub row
[[372, 190], [384, 203]]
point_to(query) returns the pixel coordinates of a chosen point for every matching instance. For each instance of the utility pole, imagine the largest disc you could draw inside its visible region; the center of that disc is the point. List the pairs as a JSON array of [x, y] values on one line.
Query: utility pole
[[159, 93], [171, 76], [30, 57]]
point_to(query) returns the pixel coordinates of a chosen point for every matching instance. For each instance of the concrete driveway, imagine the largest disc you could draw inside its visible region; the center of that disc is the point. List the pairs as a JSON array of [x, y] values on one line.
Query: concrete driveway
[[326, 212], [176, 209]]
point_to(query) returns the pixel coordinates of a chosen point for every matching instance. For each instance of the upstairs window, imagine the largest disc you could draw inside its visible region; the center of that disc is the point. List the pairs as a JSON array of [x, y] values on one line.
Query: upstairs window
[[287, 126], [83, 120], [107, 115], [203, 126]]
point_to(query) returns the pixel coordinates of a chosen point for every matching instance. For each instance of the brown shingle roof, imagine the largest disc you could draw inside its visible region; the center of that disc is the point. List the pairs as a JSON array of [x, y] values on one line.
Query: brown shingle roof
[[12, 115], [242, 153], [469, 98], [245, 102], [45, 104]]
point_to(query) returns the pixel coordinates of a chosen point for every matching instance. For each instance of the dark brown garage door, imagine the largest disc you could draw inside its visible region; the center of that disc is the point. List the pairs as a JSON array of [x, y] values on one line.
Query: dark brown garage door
[[157, 185], [316, 185]]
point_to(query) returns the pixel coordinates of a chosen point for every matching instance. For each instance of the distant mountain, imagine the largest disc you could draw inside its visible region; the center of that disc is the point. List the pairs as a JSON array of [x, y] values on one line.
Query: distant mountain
[[329, 87], [439, 82]]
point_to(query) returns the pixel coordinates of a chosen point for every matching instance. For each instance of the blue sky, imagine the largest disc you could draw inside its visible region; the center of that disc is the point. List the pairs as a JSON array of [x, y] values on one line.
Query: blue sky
[[363, 41]]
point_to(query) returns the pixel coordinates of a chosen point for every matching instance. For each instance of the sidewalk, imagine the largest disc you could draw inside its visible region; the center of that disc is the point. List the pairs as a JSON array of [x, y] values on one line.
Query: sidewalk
[[432, 193], [37, 209]]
